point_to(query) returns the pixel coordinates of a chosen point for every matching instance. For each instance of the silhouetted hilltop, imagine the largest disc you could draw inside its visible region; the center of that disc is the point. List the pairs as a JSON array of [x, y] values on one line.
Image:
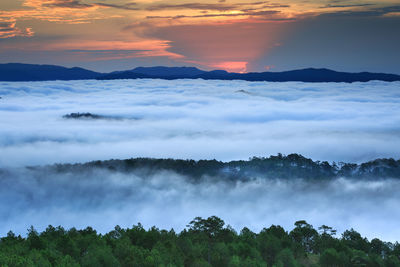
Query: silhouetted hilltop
[[158, 72], [86, 115], [124, 75], [91, 116], [318, 75], [304, 75], [161, 71], [29, 72]]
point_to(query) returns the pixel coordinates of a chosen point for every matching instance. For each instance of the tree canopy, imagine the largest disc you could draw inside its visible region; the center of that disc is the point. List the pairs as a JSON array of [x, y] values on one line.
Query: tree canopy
[[205, 242]]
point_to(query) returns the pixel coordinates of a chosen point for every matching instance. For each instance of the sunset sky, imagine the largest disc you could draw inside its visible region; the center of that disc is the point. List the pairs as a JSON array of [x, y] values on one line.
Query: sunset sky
[[235, 35]]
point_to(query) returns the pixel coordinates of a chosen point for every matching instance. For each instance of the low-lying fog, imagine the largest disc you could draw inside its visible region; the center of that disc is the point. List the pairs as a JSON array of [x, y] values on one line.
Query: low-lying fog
[[78, 121], [104, 199], [197, 119]]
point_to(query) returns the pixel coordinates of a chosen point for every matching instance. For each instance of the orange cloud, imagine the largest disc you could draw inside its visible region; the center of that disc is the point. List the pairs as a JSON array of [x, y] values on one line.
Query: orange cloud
[[66, 11], [103, 55], [92, 50], [93, 55], [9, 29], [392, 14], [56, 3]]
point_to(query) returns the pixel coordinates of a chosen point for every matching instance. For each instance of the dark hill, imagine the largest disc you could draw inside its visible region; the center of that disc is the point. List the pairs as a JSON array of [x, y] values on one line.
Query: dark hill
[[160, 71], [280, 166], [304, 75], [30, 72], [318, 75], [124, 75]]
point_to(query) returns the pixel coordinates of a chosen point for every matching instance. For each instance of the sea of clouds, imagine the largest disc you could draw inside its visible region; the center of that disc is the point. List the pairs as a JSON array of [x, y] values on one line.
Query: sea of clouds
[[195, 119]]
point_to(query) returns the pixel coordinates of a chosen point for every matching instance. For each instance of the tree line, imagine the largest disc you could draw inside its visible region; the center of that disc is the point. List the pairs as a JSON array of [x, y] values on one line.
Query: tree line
[[204, 242], [279, 166]]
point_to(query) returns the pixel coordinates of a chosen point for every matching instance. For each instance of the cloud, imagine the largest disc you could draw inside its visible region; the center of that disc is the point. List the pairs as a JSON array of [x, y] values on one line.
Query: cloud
[[128, 6], [66, 4], [103, 199], [61, 4], [220, 6], [265, 13], [377, 11], [76, 4], [200, 6], [197, 119], [62, 11], [346, 5], [131, 22], [84, 50], [104, 55], [9, 29]]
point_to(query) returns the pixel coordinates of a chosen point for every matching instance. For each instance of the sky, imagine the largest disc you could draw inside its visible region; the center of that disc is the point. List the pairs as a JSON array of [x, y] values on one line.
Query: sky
[[235, 35]]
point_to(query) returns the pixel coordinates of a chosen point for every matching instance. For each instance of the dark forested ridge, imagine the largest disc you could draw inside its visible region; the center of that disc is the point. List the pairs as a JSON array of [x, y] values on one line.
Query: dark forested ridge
[[280, 166], [16, 72], [34, 72], [204, 242]]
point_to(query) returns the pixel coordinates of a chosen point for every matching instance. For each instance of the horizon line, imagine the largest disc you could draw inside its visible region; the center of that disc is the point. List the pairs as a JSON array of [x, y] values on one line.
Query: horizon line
[[188, 66]]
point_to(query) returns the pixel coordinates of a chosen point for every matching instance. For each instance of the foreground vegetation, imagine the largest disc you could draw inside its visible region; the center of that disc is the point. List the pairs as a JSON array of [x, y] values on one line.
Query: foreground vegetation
[[205, 242]]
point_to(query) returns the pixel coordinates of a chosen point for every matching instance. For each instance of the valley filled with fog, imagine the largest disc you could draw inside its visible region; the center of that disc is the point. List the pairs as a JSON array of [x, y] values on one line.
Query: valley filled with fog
[[103, 199], [44, 123], [197, 119]]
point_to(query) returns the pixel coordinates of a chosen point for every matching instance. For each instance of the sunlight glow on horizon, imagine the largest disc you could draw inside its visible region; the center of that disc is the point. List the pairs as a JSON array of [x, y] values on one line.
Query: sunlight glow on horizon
[[235, 66]]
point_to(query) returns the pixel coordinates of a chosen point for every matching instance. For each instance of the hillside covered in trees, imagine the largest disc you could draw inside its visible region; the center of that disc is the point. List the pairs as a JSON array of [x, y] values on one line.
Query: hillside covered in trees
[[280, 166], [133, 188], [204, 242]]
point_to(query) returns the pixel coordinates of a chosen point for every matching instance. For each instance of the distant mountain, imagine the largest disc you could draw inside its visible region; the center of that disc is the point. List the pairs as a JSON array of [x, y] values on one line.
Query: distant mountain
[[124, 75], [159, 72], [304, 75], [169, 71], [318, 75], [29, 72]]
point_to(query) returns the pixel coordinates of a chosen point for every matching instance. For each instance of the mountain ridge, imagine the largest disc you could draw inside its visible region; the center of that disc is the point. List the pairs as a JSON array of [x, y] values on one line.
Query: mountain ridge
[[35, 72], [279, 166]]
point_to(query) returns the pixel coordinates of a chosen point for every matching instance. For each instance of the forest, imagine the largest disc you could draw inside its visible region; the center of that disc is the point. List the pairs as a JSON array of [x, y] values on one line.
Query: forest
[[279, 166], [204, 242]]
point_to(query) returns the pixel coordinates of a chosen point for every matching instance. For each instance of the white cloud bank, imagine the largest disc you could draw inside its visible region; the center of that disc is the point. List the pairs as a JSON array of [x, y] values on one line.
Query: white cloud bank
[[104, 199], [198, 119]]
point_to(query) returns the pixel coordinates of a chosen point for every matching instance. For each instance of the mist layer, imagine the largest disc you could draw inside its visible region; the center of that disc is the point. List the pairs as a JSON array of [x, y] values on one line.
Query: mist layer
[[103, 199], [197, 119]]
